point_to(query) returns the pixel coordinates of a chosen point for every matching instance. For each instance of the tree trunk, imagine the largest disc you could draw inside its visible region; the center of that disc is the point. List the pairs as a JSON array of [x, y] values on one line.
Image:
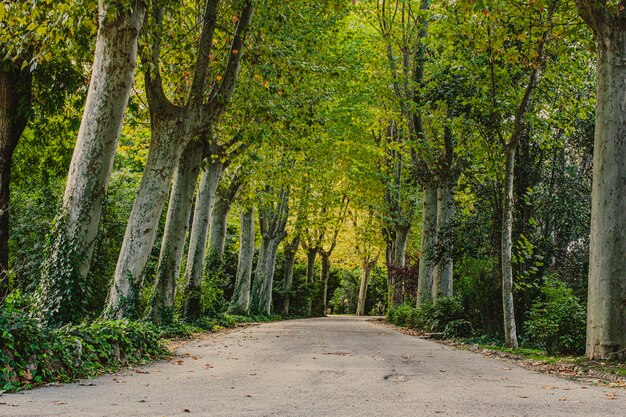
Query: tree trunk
[[15, 104], [217, 231], [176, 227], [198, 237], [290, 259], [429, 241], [402, 234], [443, 281], [606, 322], [510, 330], [365, 277], [324, 281], [240, 302], [165, 152], [311, 254], [63, 284], [262, 289]]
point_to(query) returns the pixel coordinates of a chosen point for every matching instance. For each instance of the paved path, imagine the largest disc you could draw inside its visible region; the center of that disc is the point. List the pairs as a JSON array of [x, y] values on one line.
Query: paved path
[[337, 366]]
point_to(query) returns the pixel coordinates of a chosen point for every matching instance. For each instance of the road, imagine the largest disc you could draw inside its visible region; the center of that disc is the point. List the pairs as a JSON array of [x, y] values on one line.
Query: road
[[336, 366]]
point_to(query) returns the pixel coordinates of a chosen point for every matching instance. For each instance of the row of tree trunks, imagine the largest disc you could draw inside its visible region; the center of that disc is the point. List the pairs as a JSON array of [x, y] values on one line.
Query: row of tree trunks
[[176, 228], [181, 124], [272, 223], [64, 278], [199, 235], [290, 251], [15, 103], [240, 302]]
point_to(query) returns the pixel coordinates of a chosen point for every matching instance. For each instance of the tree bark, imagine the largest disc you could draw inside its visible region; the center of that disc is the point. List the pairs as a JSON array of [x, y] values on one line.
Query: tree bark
[[240, 302], [15, 105], [429, 241], [606, 309], [510, 330], [366, 269], [399, 259], [311, 254], [199, 235], [272, 222], [443, 282], [165, 152], [325, 273], [63, 283], [176, 227], [290, 259]]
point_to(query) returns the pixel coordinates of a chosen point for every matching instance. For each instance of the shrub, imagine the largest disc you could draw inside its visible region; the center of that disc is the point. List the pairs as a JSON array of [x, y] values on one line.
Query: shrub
[[32, 355], [558, 321], [458, 329], [430, 316]]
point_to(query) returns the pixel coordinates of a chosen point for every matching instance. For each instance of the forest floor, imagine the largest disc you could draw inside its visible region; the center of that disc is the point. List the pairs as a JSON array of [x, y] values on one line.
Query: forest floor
[[339, 366]]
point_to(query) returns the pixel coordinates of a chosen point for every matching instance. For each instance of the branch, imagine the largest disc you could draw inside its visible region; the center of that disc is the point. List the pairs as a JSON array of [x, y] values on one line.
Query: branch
[[200, 72]]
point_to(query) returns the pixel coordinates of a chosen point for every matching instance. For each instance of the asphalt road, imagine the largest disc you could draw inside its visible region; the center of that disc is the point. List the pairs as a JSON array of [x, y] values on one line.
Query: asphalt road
[[337, 366]]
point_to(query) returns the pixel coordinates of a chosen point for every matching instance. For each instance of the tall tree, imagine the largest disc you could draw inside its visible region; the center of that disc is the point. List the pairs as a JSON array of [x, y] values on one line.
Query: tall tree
[[63, 282], [173, 127], [606, 312], [240, 301]]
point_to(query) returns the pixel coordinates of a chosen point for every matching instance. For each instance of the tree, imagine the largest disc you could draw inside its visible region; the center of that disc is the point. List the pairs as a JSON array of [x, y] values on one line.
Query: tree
[[606, 327], [173, 127], [63, 282], [240, 301]]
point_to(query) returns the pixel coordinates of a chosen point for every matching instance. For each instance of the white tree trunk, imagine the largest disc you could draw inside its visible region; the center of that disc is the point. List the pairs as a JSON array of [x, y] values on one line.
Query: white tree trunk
[[262, 286], [325, 273], [241, 295], [429, 241], [443, 282], [365, 277], [510, 329], [165, 152], [606, 309], [112, 78], [199, 234], [217, 231], [176, 227]]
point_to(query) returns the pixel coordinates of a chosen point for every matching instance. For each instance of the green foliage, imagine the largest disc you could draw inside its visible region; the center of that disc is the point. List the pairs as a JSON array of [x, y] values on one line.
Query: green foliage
[[31, 354], [558, 320], [458, 329], [430, 316]]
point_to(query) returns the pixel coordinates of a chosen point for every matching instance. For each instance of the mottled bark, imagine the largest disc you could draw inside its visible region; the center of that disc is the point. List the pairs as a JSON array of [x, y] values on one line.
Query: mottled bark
[[401, 237], [165, 152], [199, 235], [176, 228], [443, 280], [63, 283], [224, 198], [510, 330], [15, 106], [272, 222], [240, 302], [429, 241], [366, 269], [606, 308]]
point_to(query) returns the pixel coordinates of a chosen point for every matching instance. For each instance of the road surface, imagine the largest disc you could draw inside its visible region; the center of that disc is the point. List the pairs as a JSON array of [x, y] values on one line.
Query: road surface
[[336, 366]]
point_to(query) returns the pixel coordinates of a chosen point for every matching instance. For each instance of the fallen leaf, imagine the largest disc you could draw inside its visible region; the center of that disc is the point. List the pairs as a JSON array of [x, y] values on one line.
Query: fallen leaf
[[549, 387], [186, 410], [562, 399], [58, 402]]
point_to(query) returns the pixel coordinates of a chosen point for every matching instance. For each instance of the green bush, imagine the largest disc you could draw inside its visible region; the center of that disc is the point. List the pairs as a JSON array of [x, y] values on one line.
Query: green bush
[[430, 316], [458, 329], [31, 355], [558, 321]]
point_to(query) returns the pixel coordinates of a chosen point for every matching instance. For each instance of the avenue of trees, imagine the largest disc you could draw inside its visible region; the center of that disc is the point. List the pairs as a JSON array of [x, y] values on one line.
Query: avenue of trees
[[169, 161]]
